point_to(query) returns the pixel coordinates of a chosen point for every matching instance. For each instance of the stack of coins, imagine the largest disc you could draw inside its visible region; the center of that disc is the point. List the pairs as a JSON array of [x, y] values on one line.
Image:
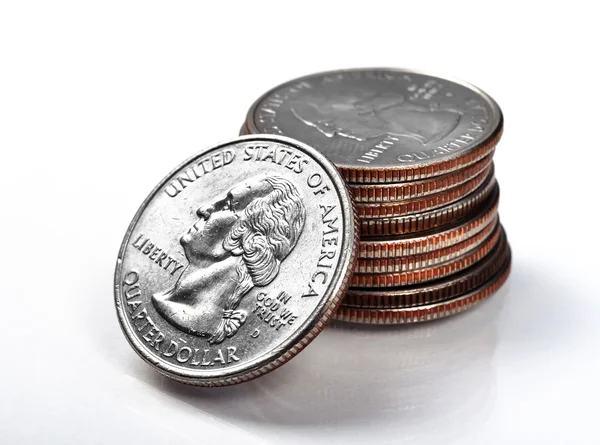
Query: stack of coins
[[416, 151]]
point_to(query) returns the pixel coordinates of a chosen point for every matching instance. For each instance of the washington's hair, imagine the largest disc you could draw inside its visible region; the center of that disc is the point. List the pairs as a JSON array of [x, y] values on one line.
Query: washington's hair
[[266, 233]]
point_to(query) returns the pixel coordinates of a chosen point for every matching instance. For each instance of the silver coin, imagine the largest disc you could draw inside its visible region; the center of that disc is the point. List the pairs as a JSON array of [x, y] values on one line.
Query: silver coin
[[381, 118], [236, 260]]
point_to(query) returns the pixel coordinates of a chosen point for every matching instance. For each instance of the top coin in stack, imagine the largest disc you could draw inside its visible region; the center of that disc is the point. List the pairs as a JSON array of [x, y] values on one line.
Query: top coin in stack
[[383, 126]]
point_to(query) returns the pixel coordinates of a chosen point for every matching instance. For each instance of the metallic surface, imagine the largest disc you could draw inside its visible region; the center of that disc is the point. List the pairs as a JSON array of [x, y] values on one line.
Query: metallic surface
[[208, 288], [431, 219], [425, 203], [424, 260], [416, 189], [383, 125], [429, 273], [428, 312], [435, 291], [403, 245]]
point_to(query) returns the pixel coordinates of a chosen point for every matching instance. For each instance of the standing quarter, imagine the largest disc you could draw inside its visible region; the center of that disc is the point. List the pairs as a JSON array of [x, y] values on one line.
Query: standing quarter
[[236, 261]]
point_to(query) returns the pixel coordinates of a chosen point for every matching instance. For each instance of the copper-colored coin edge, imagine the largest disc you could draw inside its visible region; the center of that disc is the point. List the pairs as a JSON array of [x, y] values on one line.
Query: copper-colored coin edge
[[432, 292], [423, 260], [438, 271], [427, 312], [403, 246], [382, 193], [397, 174], [425, 203], [431, 219]]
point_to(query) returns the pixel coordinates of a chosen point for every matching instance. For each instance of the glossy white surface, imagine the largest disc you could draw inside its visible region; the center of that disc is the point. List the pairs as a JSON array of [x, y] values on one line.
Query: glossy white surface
[[98, 102]]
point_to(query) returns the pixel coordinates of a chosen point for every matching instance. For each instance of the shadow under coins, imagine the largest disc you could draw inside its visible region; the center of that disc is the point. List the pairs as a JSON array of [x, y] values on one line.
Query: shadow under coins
[[354, 374], [431, 380]]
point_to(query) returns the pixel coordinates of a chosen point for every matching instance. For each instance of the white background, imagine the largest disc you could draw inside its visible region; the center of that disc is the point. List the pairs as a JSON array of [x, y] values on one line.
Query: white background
[[99, 100]]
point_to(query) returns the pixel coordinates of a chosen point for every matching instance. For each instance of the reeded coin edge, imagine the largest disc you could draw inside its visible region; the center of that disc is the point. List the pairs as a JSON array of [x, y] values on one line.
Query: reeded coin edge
[[400, 173], [427, 312], [425, 203], [306, 333], [393, 248], [410, 277], [423, 260], [388, 174], [434, 291], [431, 219], [391, 192]]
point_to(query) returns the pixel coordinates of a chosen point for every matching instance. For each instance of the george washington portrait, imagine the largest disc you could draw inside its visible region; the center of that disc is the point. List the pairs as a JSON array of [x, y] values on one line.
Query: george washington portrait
[[238, 242]]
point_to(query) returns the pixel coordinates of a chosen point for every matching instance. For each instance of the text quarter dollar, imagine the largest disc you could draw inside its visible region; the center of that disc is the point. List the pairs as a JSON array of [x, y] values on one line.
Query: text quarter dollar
[[236, 260]]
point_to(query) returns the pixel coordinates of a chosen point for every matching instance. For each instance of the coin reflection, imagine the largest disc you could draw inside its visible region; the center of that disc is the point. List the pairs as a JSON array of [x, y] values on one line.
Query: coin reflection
[[411, 381]]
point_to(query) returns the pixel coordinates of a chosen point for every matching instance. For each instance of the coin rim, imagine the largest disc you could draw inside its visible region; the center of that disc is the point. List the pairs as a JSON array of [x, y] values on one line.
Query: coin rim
[[384, 174], [424, 260], [276, 357], [430, 219], [374, 210], [382, 280], [422, 242], [403, 191], [428, 312], [438, 289]]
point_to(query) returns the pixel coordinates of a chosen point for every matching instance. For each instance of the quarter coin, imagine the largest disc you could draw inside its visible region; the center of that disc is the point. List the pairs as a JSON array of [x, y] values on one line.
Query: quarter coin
[[424, 260], [434, 291], [432, 240], [389, 278], [430, 219], [383, 125], [424, 203], [236, 260], [427, 312], [382, 193]]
